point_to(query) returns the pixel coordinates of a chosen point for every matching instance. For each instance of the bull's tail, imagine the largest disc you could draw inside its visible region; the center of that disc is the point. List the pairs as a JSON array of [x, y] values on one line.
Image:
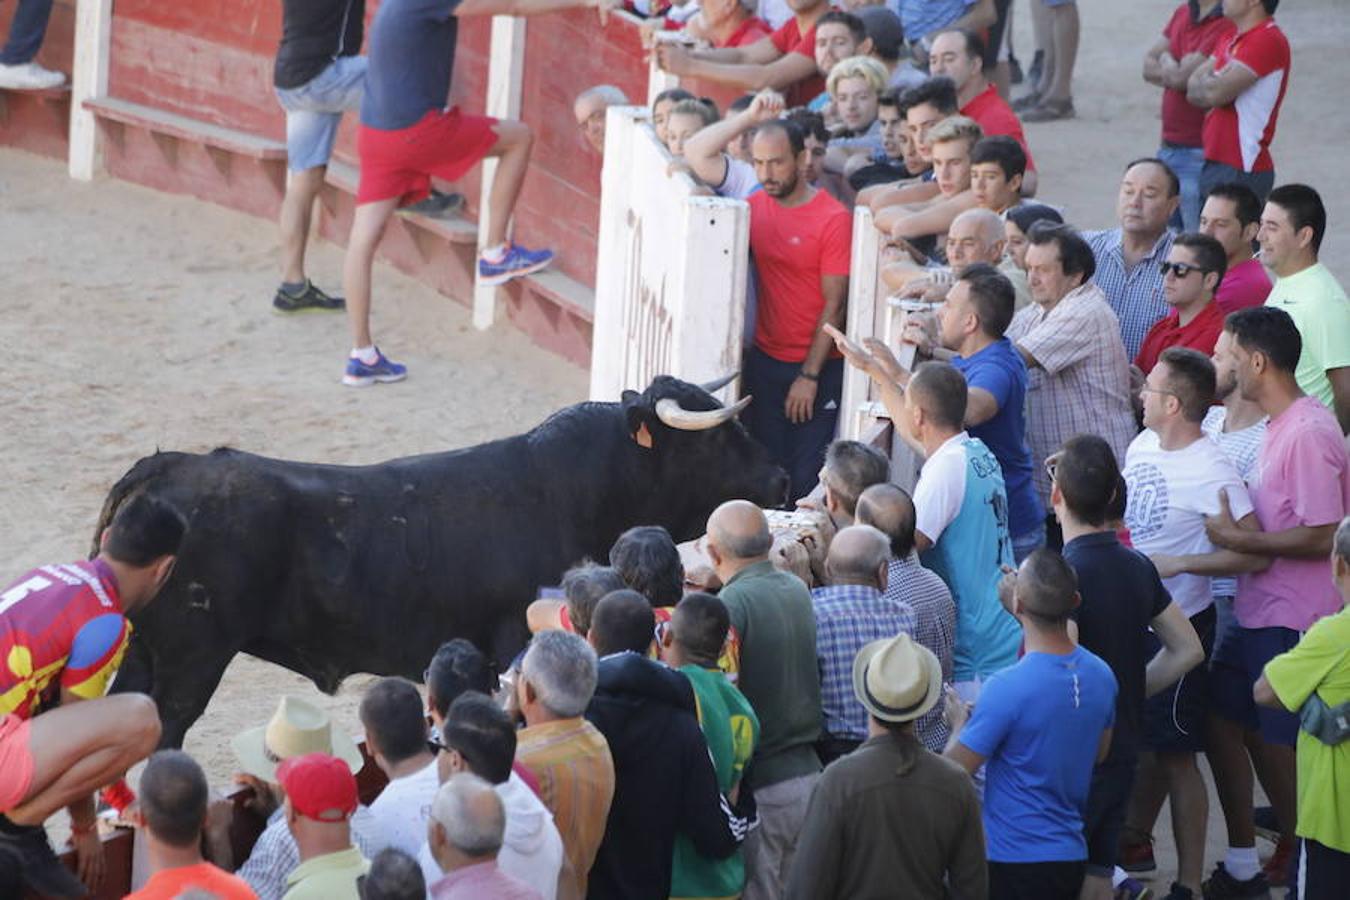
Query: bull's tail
[[146, 470]]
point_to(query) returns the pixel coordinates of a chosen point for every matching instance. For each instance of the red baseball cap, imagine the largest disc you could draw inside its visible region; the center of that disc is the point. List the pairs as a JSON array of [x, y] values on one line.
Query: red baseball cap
[[320, 787]]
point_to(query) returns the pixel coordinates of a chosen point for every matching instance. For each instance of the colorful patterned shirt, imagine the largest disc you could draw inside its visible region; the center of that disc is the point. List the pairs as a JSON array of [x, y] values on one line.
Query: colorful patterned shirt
[[61, 626], [849, 616]]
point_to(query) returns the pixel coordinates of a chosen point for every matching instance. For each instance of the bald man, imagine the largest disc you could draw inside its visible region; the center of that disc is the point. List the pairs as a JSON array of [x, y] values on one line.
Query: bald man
[[852, 611], [771, 610], [976, 236], [590, 111], [888, 508]]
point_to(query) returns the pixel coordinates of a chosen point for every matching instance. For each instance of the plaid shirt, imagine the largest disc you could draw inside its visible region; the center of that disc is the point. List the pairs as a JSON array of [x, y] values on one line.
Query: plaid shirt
[[275, 855], [849, 616], [1134, 295], [934, 627], [1081, 382]]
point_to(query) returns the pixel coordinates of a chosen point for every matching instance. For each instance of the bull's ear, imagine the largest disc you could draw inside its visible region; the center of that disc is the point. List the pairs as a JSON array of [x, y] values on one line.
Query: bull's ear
[[637, 414]]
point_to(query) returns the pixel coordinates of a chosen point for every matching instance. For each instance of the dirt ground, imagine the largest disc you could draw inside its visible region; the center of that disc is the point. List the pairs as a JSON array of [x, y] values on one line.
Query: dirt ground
[[133, 320]]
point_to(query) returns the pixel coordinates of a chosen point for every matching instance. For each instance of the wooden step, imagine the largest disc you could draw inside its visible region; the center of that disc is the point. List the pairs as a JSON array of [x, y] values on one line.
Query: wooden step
[[183, 128], [457, 230]]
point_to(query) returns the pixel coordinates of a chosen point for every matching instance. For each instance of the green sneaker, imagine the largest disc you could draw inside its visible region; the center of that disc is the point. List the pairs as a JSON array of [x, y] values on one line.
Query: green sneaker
[[311, 298]]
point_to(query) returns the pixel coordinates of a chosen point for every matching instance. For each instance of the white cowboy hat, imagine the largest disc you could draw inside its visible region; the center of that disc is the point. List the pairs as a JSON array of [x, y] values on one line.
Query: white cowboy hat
[[296, 728], [897, 680]]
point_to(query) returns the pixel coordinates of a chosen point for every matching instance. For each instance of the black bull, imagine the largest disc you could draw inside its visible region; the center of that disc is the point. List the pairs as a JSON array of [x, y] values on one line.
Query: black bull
[[331, 570]]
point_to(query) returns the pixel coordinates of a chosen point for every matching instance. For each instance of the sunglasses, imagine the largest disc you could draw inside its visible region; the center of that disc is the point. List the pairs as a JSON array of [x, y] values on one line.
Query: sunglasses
[[1180, 270]]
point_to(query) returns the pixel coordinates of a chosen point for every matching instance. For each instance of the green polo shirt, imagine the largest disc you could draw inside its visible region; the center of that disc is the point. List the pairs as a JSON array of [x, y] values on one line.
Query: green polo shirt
[[771, 611], [1316, 302], [332, 876]]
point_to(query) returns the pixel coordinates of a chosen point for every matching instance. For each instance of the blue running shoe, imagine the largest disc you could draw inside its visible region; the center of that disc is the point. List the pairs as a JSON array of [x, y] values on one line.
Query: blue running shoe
[[517, 261], [384, 371]]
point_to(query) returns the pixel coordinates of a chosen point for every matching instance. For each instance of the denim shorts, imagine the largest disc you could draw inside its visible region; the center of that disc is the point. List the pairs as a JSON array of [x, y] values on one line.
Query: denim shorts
[[314, 111]]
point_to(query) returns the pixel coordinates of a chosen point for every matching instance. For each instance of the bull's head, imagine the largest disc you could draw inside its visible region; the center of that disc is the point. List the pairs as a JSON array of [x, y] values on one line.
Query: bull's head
[[703, 456]]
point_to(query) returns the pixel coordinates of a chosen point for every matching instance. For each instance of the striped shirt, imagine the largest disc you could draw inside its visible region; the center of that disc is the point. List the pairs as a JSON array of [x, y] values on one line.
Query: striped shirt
[[849, 616], [571, 760], [934, 627], [1081, 381], [1241, 447], [1135, 294]]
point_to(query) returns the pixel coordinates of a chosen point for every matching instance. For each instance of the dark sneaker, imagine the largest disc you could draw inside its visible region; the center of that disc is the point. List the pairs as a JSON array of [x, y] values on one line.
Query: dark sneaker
[[436, 206], [1179, 892], [27, 857], [383, 371], [311, 298], [517, 261], [1136, 857], [1222, 886]]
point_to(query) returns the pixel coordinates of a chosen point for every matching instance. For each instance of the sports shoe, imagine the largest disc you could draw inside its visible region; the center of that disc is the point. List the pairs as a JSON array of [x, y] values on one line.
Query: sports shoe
[[384, 371], [1132, 889], [1137, 856], [1222, 886], [517, 261], [309, 299], [27, 857], [1179, 892], [1277, 867], [1050, 111], [1026, 101], [29, 76], [435, 206]]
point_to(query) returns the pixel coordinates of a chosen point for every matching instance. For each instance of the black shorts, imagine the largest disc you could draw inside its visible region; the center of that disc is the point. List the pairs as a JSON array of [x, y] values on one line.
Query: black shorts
[[1035, 881], [1244, 655], [1174, 720], [994, 39], [1323, 872], [1108, 801]]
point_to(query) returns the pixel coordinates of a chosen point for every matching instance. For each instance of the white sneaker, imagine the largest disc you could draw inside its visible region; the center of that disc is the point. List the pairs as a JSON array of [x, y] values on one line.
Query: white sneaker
[[29, 76]]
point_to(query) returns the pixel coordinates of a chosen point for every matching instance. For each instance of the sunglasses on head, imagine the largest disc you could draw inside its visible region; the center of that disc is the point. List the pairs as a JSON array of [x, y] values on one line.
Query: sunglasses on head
[[1181, 270]]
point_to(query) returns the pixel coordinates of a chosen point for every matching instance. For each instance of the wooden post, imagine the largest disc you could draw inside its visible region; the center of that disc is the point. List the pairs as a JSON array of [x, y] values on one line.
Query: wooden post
[[506, 71], [88, 78], [658, 79]]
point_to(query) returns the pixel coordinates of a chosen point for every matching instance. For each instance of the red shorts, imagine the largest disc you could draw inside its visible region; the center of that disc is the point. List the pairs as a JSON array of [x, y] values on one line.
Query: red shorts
[[16, 762], [445, 144]]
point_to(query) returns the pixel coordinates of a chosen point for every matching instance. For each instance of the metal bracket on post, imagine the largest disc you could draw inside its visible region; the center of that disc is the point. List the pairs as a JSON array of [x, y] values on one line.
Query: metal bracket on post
[[88, 79], [506, 71]]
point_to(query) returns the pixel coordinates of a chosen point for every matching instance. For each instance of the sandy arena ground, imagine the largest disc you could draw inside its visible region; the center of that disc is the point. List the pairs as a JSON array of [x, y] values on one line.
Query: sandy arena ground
[[134, 320]]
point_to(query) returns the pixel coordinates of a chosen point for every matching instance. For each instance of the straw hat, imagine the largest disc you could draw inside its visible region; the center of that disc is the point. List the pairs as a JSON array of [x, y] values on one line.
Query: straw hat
[[297, 727], [897, 680]]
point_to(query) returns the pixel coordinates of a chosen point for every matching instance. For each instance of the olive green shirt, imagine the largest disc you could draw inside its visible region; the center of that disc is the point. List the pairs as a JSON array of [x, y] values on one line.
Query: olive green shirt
[[332, 876]]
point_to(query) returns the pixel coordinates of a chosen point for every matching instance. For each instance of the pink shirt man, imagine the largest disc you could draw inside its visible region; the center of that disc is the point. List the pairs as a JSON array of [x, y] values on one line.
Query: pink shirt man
[[480, 881], [1246, 284], [1302, 477]]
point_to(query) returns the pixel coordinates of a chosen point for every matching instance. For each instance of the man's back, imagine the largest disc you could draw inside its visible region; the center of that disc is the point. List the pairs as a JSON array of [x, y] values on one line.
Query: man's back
[[332, 876], [934, 627], [168, 884], [1121, 594], [313, 34], [403, 808], [664, 782], [412, 55], [771, 611], [848, 617], [1038, 725], [891, 814]]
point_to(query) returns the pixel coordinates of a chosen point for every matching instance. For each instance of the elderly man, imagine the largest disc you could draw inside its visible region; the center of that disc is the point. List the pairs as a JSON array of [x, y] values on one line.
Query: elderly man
[[891, 813], [1070, 340], [772, 611], [590, 110], [320, 800], [850, 612], [1314, 678], [888, 508], [1194, 269], [465, 836], [1128, 257], [566, 754], [976, 236]]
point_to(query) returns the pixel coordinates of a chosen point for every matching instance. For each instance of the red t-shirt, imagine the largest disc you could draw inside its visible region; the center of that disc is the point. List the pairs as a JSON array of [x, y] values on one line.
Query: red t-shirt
[[1182, 121], [170, 883], [752, 29], [1240, 133], [1201, 334], [1246, 284], [995, 116], [789, 39], [793, 247]]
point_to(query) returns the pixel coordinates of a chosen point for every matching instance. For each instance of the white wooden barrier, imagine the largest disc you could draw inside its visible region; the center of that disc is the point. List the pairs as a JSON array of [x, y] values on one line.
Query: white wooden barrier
[[671, 269]]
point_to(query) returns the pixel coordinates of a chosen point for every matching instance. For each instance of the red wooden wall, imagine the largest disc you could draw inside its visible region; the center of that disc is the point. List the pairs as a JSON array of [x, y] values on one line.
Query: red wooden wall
[[41, 123]]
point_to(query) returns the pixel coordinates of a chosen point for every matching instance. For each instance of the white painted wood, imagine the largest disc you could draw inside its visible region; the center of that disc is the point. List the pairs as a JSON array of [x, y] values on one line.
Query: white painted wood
[[671, 270], [506, 70], [856, 411], [658, 79], [88, 78]]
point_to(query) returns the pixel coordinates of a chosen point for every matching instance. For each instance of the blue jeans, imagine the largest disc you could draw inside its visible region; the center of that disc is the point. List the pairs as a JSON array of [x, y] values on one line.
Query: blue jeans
[[26, 32], [314, 111], [1186, 162], [1217, 173], [798, 447]]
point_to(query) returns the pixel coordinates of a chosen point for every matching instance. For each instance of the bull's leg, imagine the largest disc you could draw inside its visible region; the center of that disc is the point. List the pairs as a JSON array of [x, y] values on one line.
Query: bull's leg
[[509, 637], [182, 690]]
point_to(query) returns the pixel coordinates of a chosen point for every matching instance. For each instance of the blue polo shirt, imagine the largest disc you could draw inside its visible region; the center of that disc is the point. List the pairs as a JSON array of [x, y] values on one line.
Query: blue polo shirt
[[412, 53], [1000, 370]]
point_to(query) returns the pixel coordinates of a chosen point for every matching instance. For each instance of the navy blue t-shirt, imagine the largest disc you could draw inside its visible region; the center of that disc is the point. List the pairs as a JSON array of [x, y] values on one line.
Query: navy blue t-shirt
[[412, 53], [999, 369]]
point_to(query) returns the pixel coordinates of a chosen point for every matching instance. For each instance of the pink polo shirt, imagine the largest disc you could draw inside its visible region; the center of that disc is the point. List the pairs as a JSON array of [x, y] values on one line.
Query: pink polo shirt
[[1246, 284], [1302, 477]]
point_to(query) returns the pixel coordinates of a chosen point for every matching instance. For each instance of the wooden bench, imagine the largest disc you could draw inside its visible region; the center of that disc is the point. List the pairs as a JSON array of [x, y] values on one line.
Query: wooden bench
[[55, 99]]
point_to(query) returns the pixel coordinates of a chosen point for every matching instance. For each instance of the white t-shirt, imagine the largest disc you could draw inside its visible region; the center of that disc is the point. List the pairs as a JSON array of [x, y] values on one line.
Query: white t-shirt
[[1169, 493], [1241, 447], [941, 489], [532, 849], [739, 182], [404, 807]]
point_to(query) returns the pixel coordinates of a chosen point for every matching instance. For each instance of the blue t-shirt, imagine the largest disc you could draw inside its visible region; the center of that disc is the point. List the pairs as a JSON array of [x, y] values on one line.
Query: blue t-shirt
[[412, 53], [999, 369], [1038, 725]]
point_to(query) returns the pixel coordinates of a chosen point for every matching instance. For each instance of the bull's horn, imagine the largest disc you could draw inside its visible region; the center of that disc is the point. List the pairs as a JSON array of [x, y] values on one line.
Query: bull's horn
[[718, 383], [675, 416]]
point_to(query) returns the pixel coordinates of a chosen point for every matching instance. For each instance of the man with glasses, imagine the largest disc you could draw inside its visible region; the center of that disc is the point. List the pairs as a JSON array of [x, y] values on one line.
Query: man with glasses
[[1192, 272]]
